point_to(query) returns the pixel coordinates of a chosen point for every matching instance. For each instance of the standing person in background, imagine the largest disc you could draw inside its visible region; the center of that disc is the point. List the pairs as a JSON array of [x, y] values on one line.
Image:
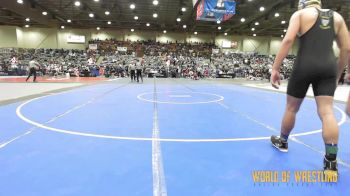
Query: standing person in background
[[91, 61], [315, 64], [14, 65], [33, 66], [139, 68], [132, 69]]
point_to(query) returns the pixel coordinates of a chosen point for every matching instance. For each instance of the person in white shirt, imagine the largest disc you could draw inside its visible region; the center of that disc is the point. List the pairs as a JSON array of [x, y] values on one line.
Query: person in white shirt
[[132, 68], [91, 61], [14, 64], [33, 66]]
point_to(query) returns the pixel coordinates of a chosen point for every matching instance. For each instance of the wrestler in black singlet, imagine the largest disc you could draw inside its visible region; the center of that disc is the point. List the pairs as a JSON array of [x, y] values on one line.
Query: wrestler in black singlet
[[315, 63]]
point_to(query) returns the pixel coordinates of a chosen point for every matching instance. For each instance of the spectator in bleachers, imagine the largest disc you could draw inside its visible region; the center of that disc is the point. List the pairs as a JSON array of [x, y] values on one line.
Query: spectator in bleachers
[[162, 59]]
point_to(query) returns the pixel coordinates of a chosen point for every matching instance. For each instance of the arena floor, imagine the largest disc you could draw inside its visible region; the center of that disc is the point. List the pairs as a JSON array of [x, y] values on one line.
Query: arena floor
[[162, 137]]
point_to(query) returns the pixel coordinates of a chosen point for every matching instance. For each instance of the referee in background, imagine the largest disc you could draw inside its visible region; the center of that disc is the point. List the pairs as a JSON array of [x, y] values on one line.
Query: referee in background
[[33, 66], [139, 68], [132, 71]]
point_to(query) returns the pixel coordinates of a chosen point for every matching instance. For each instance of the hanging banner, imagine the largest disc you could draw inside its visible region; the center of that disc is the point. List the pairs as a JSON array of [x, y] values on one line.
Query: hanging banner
[[216, 10], [202, 15], [76, 39], [122, 49], [234, 45], [220, 6], [93, 46], [227, 17], [194, 2], [226, 44], [215, 51]]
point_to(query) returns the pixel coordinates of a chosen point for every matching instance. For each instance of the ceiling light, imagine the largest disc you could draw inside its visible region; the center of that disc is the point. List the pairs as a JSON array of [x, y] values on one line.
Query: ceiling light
[[62, 27], [164, 31], [27, 19], [254, 35], [262, 9], [91, 15], [218, 22], [136, 17], [253, 29], [285, 30], [183, 9], [96, 0], [98, 28], [69, 20], [148, 24], [20, 1], [257, 23], [225, 34], [219, 28], [155, 2], [155, 15], [132, 6], [184, 26], [107, 13], [242, 19], [109, 22], [178, 19], [195, 33], [44, 13], [277, 15], [282, 35], [26, 26], [283, 22], [77, 3], [132, 30]]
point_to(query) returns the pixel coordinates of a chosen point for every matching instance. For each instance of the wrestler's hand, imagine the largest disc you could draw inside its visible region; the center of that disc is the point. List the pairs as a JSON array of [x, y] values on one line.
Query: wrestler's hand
[[275, 79]]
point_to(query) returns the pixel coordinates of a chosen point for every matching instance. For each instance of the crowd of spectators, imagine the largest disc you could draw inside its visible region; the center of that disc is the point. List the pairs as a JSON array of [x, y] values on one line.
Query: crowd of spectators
[[113, 59], [53, 62], [153, 48], [193, 60]]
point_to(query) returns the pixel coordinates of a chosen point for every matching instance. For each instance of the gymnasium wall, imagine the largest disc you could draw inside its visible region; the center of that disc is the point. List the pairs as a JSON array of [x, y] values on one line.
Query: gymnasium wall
[[263, 45], [171, 37], [36, 38], [107, 34], [11, 36], [138, 35], [206, 38], [62, 38], [233, 38], [8, 36]]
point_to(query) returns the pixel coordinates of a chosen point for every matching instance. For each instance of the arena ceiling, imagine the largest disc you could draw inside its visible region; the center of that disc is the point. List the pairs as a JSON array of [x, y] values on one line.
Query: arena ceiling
[[121, 16]]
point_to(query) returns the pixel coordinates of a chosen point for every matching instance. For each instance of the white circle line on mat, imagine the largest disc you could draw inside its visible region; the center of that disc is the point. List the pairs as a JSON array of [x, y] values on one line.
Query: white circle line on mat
[[218, 99], [40, 125]]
